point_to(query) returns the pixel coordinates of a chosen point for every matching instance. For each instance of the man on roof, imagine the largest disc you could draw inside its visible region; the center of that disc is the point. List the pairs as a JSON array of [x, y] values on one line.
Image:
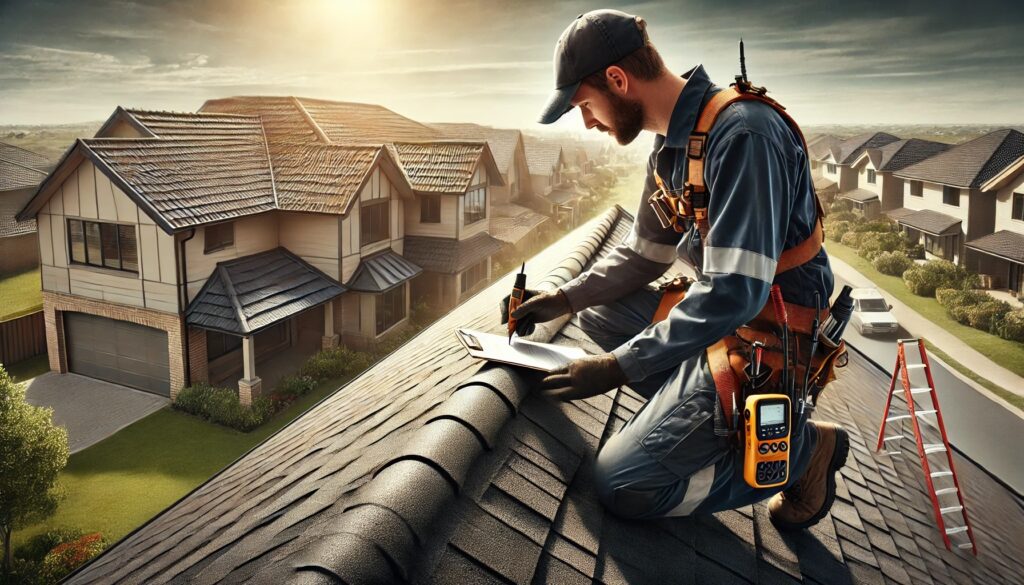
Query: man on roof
[[677, 456]]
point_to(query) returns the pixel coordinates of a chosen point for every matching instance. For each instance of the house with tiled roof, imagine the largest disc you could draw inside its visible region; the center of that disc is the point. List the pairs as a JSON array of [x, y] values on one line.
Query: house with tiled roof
[[550, 166], [512, 218], [950, 199], [215, 242], [434, 467], [21, 171], [834, 160], [878, 190]]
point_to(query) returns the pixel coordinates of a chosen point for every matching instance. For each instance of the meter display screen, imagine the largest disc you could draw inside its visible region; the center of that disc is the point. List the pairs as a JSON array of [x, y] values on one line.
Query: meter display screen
[[773, 414]]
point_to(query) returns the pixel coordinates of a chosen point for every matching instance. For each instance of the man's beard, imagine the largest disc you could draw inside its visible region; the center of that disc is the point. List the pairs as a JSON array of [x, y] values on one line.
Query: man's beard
[[628, 118]]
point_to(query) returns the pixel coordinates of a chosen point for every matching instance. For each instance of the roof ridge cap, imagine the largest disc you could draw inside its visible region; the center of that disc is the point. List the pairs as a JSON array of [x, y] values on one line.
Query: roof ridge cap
[[481, 405]]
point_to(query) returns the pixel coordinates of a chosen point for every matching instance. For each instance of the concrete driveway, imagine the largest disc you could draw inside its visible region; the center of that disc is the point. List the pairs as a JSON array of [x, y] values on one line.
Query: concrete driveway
[[91, 410]]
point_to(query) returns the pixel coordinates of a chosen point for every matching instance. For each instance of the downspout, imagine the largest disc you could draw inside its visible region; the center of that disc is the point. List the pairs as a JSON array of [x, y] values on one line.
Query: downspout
[[183, 301]]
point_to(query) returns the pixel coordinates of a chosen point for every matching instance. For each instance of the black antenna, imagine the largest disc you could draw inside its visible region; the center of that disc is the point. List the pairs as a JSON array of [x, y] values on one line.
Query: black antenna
[[743, 62]]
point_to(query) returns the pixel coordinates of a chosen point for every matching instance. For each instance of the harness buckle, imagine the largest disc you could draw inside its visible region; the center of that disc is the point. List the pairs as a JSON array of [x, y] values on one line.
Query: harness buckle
[[695, 146], [663, 209]]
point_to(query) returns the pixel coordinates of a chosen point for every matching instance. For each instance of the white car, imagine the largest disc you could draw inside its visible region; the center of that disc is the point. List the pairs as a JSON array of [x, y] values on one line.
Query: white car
[[871, 313]]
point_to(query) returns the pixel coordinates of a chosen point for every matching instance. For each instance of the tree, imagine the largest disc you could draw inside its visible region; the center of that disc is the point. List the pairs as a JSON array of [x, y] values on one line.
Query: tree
[[32, 453]]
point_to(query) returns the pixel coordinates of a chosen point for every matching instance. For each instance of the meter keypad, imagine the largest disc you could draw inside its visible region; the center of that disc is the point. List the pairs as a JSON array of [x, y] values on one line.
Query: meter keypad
[[771, 471]]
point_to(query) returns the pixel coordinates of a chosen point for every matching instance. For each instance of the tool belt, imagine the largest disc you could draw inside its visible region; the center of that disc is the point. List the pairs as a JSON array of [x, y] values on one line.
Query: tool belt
[[728, 358]]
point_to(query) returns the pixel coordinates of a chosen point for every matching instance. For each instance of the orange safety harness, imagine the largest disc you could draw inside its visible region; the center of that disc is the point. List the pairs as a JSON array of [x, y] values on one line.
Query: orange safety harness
[[728, 357]]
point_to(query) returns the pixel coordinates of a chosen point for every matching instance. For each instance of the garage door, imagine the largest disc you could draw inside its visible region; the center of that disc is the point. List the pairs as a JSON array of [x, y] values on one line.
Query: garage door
[[117, 351]]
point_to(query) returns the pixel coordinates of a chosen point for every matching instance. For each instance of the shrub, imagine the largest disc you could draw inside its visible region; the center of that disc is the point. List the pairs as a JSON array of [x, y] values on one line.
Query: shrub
[[292, 387], [852, 239], [221, 406], [987, 315], [914, 251], [922, 280], [836, 229], [877, 225], [1012, 325], [892, 263], [874, 243], [840, 205], [844, 216], [36, 547], [335, 362], [68, 556]]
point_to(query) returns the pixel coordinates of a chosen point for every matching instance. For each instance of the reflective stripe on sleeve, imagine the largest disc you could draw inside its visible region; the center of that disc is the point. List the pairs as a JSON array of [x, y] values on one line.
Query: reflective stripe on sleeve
[[653, 251], [739, 261]]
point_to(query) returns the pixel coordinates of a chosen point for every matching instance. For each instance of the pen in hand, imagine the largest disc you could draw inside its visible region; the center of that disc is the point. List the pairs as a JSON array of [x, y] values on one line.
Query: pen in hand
[[516, 299]]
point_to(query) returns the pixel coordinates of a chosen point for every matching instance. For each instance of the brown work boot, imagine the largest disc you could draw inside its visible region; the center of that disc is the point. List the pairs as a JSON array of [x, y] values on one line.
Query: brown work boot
[[807, 501]]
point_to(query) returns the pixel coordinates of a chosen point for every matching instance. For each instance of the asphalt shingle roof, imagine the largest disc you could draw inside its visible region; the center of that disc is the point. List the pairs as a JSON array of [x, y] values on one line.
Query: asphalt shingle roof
[[447, 255], [502, 141], [926, 220], [903, 153], [822, 145], [1004, 243], [25, 158], [247, 294], [382, 272], [10, 204], [541, 155], [432, 467], [861, 195], [15, 174], [510, 223], [851, 148], [971, 163]]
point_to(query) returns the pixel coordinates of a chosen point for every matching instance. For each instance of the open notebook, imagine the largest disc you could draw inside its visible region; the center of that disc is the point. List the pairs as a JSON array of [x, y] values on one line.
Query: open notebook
[[528, 354]]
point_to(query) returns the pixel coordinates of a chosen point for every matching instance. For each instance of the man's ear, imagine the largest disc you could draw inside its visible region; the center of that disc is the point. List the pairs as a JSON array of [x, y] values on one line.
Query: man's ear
[[617, 79]]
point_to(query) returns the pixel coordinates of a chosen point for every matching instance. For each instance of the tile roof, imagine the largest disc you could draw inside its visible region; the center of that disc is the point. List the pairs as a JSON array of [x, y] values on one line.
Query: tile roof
[[971, 163], [189, 182], [25, 158], [382, 272], [851, 148], [926, 220], [1004, 243], [431, 467], [564, 193], [447, 255], [247, 294], [898, 155], [196, 124], [349, 122], [321, 178], [541, 155], [438, 167], [502, 141], [861, 195], [10, 204], [510, 223]]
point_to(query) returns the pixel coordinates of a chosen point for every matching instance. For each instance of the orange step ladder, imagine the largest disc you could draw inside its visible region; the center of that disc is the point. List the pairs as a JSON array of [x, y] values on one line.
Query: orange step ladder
[[951, 518]]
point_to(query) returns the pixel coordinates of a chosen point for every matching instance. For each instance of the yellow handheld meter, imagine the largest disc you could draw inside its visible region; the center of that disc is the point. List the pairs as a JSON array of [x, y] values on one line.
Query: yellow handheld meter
[[767, 426]]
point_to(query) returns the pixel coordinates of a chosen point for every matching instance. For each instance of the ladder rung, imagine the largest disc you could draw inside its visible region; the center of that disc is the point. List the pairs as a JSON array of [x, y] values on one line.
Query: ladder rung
[[930, 448], [966, 545], [893, 452], [956, 530], [920, 390], [896, 438], [897, 417], [942, 474], [950, 509], [945, 491], [924, 412], [914, 366]]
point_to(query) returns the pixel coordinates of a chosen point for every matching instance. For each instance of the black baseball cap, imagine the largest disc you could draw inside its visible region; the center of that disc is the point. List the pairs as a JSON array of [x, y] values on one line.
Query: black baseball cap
[[593, 41]]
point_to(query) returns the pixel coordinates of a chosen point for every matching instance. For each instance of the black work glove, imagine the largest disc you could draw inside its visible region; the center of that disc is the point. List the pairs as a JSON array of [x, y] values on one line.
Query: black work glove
[[584, 377], [538, 307]]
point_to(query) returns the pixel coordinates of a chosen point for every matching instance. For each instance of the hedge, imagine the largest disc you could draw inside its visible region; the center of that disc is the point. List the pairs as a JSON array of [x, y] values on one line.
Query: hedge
[[893, 263], [221, 406], [924, 279], [840, 205], [836, 229], [68, 556], [874, 243], [1011, 326]]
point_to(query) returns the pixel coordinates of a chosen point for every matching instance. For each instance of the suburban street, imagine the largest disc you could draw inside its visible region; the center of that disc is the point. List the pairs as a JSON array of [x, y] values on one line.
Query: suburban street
[[978, 426]]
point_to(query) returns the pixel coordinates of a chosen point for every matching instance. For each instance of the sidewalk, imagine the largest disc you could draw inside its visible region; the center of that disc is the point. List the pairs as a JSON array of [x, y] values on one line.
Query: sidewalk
[[917, 325]]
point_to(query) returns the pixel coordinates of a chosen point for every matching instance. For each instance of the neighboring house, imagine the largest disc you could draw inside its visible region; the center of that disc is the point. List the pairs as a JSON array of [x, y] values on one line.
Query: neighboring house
[[21, 171], [187, 247], [451, 180], [546, 161], [818, 150], [836, 162], [948, 199], [550, 167], [999, 256], [435, 467], [878, 190], [510, 219]]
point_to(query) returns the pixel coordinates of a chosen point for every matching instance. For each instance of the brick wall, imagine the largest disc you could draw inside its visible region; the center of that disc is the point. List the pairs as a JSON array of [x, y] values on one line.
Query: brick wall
[[54, 304], [198, 366]]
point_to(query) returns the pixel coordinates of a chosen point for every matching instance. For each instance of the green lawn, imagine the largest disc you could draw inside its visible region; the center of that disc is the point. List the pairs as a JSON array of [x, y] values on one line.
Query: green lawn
[[1009, 354], [119, 483], [20, 294]]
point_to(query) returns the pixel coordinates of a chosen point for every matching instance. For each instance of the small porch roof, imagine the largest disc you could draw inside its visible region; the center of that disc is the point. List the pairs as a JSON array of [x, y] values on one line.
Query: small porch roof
[[859, 195], [1003, 244], [248, 294], [382, 272], [823, 183], [930, 222]]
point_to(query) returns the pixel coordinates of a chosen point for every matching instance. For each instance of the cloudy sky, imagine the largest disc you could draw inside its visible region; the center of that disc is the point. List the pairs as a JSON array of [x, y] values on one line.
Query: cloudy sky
[[831, 62]]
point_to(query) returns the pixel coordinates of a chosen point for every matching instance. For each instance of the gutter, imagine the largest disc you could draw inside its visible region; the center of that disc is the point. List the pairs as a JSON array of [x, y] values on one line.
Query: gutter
[[181, 260]]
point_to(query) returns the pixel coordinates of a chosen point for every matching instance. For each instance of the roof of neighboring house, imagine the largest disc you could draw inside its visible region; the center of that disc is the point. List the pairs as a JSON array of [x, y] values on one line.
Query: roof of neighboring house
[[10, 204], [511, 223], [1004, 243], [823, 183], [443, 167], [432, 467], [163, 124], [898, 155], [860, 195], [447, 255], [925, 220], [564, 193], [972, 163], [25, 158], [382, 272], [822, 145], [502, 141], [541, 155], [851, 148], [247, 294]]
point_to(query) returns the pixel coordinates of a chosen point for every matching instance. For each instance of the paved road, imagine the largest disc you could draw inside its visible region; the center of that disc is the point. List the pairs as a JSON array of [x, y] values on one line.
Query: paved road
[[979, 427]]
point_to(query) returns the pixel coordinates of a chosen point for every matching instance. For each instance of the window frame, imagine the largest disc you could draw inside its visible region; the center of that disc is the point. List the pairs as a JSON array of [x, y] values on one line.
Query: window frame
[[367, 207], [830, 168], [389, 304], [120, 242], [468, 217], [430, 208], [482, 265], [1017, 211], [951, 193], [872, 177], [218, 244]]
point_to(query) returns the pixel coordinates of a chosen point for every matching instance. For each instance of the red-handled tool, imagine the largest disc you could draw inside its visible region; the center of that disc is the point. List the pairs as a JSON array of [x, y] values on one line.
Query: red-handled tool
[[516, 299]]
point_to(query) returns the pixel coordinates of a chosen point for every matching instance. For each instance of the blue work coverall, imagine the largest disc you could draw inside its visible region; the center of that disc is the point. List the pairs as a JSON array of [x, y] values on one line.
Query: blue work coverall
[[668, 460]]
